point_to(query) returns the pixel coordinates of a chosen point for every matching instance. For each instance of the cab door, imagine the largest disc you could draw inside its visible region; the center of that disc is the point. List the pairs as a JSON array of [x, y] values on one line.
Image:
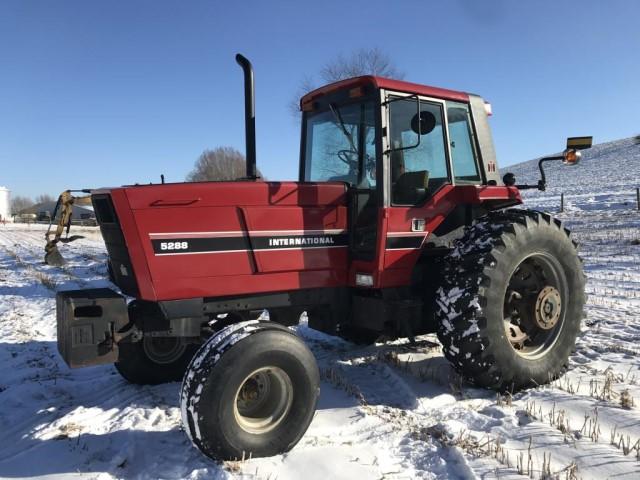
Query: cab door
[[418, 178], [365, 196], [341, 143]]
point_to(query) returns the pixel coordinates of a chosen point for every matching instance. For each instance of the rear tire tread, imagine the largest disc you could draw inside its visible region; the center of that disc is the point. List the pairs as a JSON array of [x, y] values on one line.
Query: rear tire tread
[[469, 272]]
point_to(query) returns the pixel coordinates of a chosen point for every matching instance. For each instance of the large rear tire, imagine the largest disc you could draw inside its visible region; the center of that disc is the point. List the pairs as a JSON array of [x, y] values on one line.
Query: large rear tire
[[251, 390], [511, 302]]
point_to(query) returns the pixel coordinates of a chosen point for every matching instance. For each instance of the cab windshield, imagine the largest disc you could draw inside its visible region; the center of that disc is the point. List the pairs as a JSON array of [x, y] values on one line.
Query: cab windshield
[[341, 145]]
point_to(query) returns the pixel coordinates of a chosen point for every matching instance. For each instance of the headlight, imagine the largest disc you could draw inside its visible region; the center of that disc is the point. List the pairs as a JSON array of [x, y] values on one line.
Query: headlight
[[364, 280]]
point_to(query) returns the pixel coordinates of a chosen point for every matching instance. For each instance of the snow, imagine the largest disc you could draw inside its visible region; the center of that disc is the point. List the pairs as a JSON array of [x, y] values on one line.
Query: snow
[[386, 411]]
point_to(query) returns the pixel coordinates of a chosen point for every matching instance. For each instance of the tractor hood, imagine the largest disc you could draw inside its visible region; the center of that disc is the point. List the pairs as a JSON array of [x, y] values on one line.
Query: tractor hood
[[213, 239]]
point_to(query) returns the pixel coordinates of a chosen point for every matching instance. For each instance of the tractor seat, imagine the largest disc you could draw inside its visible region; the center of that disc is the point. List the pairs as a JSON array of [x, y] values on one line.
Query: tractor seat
[[411, 187]]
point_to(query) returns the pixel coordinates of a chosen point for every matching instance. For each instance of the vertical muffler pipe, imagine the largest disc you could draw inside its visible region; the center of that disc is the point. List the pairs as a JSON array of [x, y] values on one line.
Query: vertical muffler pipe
[[249, 116]]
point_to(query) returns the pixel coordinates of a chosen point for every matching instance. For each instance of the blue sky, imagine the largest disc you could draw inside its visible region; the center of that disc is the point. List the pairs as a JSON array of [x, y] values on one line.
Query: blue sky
[[108, 93]]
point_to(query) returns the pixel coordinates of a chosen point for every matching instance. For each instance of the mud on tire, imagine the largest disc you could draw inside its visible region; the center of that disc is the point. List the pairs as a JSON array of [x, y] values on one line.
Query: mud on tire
[[251, 390], [506, 252]]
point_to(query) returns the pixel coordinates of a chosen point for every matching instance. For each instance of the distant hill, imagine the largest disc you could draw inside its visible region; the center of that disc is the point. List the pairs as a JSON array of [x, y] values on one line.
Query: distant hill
[[607, 174]]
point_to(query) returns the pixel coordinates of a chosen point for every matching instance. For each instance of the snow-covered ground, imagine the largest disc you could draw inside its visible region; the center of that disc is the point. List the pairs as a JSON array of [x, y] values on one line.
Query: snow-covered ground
[[386, 411]]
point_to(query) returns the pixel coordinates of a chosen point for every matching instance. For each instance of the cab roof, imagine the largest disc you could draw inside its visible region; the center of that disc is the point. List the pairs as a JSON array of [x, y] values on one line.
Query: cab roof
[[387, 84]]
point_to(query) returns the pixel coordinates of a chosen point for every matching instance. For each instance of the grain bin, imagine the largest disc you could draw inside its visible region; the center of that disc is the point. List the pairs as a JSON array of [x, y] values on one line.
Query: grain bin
[[5, 204]]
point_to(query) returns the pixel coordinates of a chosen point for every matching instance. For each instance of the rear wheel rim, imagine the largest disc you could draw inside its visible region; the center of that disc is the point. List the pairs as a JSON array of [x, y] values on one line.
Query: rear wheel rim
[[263, 400], [535, 305], [163, 350]]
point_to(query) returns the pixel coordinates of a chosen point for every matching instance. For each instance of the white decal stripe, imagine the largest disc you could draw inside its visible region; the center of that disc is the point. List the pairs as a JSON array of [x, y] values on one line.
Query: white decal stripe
[[298, 232], [242, 233], [255, 250], [297, 248], [409, 248], [199, 253], [196, 235], [406, 234]]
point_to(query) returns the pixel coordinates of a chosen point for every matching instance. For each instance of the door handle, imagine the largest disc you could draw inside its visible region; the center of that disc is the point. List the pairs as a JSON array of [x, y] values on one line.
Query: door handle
[[174, 203]]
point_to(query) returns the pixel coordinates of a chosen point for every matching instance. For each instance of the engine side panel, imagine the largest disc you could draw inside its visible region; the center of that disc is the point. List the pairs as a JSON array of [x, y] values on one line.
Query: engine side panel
[[297, 238], [231, 238]]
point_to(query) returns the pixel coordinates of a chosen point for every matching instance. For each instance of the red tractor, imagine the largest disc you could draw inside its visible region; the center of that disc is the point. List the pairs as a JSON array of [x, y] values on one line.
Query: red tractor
[[399, 225]]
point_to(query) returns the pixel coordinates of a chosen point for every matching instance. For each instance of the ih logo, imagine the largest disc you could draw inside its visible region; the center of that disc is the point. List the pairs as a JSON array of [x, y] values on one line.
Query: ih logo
[[491, 167]]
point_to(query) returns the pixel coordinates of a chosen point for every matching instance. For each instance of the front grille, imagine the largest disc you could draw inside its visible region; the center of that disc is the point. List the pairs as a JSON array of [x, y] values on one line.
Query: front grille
[[120, 263]]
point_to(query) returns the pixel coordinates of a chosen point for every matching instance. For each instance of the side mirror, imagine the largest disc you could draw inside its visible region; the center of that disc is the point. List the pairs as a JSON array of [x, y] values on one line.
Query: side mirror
[[579, 143], [571, 156]]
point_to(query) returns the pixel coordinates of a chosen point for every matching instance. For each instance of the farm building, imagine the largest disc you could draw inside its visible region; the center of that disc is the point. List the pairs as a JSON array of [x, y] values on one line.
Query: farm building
[[42, 212]]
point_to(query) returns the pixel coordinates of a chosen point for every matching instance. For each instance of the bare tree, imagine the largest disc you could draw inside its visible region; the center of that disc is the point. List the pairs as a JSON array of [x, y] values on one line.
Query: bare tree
[[44, 198], [19, 203], [371, 61], [221, 163], [365, 61]]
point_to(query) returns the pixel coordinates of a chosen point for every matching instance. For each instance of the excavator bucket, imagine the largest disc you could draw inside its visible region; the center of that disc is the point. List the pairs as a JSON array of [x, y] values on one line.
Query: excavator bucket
[[64, 205]]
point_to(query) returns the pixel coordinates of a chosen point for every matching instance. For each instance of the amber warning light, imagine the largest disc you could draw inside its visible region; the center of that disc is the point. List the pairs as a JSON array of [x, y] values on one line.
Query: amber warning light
[[571, 157], [572, 154]]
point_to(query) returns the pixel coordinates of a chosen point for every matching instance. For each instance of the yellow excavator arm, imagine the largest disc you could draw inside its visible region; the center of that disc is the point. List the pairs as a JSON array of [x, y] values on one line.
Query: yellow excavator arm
[[63, 213]]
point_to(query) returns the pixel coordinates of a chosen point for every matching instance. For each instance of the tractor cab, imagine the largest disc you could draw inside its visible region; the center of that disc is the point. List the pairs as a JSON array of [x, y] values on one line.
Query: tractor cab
[[404, 150]]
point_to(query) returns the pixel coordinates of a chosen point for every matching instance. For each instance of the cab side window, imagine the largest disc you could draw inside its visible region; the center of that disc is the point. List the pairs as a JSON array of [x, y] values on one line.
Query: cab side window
[[463, 152], [418, 159]]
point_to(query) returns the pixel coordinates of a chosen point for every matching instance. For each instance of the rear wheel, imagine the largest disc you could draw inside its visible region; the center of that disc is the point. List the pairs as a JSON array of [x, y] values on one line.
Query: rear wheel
[[510, 305], [533, 314], [251, 390], [154, 360]]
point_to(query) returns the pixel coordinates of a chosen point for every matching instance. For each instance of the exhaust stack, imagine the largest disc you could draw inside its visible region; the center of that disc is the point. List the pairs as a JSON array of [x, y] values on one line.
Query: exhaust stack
[[249, 116]]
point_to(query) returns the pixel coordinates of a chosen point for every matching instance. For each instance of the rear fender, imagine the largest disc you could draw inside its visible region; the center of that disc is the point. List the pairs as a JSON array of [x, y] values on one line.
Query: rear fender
[[410, 230]]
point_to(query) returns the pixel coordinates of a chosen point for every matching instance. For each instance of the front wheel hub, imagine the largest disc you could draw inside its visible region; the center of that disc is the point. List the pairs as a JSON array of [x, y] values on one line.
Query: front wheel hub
[[548, 308], [263, 400]]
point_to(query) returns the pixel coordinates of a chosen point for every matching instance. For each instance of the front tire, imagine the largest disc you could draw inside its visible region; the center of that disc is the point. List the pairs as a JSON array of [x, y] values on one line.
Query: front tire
[[251, 390], [154, 360], [512, 299]]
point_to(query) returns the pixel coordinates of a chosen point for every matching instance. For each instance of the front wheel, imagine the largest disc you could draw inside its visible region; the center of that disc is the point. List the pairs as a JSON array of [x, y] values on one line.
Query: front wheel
[[251, 390], [154, 360], [512, 299]]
